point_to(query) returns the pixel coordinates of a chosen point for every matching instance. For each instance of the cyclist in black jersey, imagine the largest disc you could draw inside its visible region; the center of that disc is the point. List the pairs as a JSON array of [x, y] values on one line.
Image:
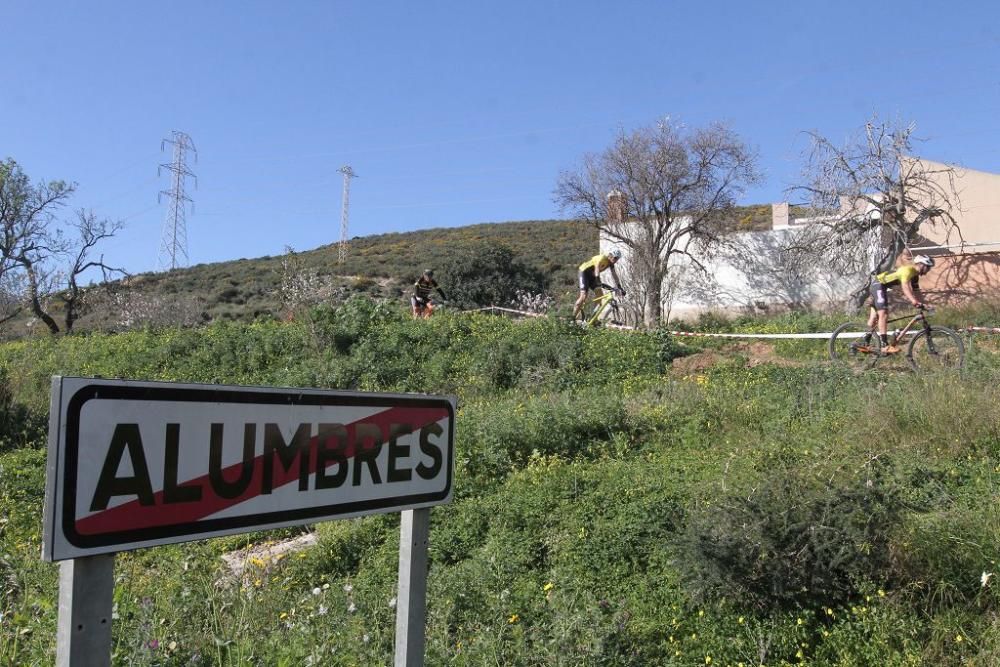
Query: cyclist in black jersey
[[420, 300]]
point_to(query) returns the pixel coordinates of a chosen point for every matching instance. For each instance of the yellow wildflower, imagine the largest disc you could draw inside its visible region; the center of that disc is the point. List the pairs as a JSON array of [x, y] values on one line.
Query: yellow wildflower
[[514, 618]]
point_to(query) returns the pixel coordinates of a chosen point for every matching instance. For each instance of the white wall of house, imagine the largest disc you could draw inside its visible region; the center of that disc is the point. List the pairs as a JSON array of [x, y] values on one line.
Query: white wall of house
[[754, 273], [759, 274]]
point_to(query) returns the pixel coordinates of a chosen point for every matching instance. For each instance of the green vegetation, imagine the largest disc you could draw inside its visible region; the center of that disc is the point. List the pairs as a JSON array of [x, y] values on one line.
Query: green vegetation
[[381, 266], [611, 507], [489, 274], [545, 253]]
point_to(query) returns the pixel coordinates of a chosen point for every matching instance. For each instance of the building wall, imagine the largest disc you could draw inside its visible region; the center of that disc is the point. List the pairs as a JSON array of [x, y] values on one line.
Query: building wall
[[968, 260], [978, 213], [957, 278], [758, 275], [754, 274]]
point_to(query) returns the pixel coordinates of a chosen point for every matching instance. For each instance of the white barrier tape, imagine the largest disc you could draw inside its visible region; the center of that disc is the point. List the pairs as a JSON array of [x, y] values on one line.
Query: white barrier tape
[[736, 335], [815, 335], [494, 309], [852, 334]]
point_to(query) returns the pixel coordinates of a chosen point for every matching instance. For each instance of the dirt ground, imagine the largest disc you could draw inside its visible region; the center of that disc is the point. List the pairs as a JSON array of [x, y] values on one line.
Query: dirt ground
[[755, 353]]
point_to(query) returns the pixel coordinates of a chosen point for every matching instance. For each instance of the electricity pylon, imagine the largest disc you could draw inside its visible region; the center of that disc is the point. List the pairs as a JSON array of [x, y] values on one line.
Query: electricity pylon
[[346, 199], [173, 241]]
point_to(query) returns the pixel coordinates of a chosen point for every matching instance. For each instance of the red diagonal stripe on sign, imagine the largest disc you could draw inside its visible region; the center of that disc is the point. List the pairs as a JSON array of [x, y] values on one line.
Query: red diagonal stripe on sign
[[133, 515]]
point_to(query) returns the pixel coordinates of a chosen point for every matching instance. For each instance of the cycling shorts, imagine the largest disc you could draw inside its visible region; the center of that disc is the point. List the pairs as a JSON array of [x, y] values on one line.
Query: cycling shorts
[[416, 301], [588, 279], [880, 295]]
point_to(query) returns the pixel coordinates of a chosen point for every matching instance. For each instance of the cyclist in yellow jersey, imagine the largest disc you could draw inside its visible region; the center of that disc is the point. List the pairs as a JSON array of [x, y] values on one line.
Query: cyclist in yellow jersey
[[907, 277], [589, 277]]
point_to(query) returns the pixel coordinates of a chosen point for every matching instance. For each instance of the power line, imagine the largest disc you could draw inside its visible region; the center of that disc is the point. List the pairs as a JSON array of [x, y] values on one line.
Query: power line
[[345, 199], [173, 242]]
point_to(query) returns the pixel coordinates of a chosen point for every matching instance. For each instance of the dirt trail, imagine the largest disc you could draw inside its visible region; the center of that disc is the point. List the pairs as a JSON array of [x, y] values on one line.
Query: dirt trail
[[755, 353]]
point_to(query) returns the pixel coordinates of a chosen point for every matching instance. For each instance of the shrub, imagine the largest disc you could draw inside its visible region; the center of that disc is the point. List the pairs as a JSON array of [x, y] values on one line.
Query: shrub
[[792, 541], [488, 274]]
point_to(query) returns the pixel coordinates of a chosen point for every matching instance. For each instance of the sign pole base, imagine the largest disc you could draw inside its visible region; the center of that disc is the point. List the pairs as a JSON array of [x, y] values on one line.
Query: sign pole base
[[86, 597], [411, 600]]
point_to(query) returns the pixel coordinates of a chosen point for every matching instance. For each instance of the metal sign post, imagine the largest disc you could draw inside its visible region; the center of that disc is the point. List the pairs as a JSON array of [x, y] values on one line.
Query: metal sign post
[[86, 598], [411, 600]]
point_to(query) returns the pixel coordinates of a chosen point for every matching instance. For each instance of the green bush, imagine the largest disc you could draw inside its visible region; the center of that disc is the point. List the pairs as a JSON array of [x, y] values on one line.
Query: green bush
[[791, 541], [488, 273]]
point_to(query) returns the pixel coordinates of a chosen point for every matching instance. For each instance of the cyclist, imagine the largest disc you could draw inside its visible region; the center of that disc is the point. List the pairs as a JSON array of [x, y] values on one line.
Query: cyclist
[[907, 277], [420, 299], [589, 277]]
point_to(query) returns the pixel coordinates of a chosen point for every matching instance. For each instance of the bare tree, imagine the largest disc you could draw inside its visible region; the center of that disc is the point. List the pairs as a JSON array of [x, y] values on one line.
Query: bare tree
[[301, 287], [873, 199], [34, 246], [90, 232], [671, 191]]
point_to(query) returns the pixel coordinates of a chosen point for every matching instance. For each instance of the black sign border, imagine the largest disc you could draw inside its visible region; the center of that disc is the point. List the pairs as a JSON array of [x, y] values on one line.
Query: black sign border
[[196, 530]]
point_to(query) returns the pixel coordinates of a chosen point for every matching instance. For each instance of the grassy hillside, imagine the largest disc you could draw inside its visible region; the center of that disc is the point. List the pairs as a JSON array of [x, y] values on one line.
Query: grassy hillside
[[382, 266], [620, 499]]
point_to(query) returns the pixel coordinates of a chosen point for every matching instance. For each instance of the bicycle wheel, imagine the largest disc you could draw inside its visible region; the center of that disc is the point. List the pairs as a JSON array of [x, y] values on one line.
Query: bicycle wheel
[[939, 348], [850, 348]]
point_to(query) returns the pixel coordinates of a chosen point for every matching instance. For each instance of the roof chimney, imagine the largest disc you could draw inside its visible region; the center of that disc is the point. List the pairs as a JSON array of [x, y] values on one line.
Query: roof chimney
[[617, 206], [779, 215]]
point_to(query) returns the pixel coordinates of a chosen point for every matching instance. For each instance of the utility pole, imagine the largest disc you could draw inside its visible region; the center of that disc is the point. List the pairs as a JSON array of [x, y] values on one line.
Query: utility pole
[[173, 240], [346, 199]]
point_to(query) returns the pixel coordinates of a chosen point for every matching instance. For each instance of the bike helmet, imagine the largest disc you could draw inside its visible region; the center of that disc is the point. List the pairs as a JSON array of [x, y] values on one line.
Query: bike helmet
[[615, 254], [429, 273], [923, 259]]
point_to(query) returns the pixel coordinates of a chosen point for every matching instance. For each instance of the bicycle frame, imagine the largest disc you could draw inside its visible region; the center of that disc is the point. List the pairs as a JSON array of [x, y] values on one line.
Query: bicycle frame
[[603, 302], [898, 336]]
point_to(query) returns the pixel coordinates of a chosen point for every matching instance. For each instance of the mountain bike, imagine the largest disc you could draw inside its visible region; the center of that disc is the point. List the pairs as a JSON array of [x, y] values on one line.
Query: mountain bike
[[606, 307], [931, 347], [426, 307]]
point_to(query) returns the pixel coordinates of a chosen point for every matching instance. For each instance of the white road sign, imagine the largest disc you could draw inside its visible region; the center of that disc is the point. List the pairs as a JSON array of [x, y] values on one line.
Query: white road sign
[[138, 464]]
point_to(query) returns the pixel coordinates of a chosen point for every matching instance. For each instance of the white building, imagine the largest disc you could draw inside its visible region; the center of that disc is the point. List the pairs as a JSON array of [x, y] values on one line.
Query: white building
[[754, 271]]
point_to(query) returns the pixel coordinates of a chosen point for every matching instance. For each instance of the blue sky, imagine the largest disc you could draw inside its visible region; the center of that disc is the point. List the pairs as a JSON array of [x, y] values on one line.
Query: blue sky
[[453, 113]]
